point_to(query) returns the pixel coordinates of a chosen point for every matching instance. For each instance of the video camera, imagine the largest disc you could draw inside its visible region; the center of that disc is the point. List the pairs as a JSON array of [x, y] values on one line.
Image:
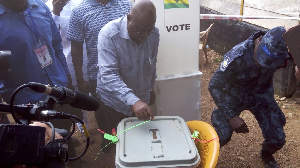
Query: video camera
[[24, 144]]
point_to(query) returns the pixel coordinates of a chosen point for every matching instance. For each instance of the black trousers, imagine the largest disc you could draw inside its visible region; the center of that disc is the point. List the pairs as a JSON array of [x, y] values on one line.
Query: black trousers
[[111, 117]]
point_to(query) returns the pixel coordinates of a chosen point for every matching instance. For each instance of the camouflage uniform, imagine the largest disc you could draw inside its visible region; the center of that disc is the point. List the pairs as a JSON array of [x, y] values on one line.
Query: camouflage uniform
[[241, 84]]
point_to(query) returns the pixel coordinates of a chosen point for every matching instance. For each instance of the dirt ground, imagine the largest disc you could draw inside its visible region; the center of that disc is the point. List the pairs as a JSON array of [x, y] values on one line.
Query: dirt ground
[[241, 152]]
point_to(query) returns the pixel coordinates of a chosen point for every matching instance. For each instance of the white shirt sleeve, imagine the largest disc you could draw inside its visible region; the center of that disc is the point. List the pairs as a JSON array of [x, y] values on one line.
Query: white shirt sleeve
[[56, 19]]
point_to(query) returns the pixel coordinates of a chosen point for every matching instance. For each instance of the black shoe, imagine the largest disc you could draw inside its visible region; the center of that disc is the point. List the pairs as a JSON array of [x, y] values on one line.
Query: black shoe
[[268, 159]]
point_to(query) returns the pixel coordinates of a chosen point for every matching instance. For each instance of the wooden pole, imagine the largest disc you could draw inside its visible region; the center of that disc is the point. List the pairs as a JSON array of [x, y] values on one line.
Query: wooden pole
[[242, 8]]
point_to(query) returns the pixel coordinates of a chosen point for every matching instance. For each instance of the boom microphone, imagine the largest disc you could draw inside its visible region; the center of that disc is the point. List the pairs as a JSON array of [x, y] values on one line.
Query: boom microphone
[[76, 99]]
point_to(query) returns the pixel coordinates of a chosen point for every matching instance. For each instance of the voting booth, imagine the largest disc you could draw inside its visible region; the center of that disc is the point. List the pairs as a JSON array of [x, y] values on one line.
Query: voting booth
[[166, 141], [178, 83]]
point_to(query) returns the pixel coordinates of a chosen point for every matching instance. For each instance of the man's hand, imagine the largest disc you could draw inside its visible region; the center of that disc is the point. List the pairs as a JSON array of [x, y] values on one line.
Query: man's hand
[[238, 125], [48, 133], [142, 111], [58, 6]]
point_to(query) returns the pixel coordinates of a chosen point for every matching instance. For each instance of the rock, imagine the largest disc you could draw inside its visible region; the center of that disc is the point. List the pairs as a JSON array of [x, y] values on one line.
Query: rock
[[282, 99]]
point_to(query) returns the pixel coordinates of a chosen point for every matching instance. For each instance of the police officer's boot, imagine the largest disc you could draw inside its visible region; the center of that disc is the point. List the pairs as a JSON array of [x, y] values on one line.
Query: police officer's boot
[[268, 159]]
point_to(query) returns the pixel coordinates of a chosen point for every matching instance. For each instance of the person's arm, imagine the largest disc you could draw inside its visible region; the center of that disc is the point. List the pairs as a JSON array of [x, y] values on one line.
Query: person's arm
[[48, 132], [217, 90], [56, 6], [142, 110], [76, 35], [57, 45], [238, 125], [77, 59], [56, 18], [217, 87], [112, 81]]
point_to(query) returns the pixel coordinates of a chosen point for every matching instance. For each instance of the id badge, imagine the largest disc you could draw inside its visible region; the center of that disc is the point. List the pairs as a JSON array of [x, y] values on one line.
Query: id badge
[[43, 55]]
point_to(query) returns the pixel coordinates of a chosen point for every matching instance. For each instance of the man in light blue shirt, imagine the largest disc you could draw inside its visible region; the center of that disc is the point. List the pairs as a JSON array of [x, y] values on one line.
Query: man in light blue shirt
[[127, 55], [86, 21]]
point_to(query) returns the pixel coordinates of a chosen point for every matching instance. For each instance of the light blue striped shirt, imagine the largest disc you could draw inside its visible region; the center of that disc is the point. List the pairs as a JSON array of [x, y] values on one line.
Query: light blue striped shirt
[[127, 71], [87, 20]]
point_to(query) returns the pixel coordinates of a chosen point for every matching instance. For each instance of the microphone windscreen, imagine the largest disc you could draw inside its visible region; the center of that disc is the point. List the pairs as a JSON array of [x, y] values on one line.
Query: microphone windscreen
[[85, 102]]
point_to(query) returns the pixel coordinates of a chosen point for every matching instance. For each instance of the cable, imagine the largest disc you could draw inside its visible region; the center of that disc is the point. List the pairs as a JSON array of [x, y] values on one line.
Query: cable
[[62, 160], [12, 102], [53, 133], [73, 129], [85, 130], [69, 116]]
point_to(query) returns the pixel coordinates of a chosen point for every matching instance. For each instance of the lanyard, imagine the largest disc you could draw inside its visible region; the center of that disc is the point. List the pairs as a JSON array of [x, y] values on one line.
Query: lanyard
[[34, 30]]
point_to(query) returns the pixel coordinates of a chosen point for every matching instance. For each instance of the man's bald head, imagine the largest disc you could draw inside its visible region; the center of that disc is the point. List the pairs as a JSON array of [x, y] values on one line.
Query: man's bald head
[[141, 20], [143, 9]]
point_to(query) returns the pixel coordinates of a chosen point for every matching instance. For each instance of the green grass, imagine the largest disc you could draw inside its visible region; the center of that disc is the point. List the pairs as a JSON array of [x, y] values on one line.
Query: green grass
[[216, 60]]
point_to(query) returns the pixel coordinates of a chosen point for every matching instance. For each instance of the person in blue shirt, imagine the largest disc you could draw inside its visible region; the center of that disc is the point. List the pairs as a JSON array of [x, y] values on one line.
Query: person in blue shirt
[[244, 81], [28, 30], [127, 55]]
